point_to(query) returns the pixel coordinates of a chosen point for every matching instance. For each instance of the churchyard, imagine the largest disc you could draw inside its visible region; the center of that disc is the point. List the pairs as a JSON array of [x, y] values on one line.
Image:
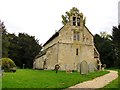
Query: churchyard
[[115, 83], [28, 78]]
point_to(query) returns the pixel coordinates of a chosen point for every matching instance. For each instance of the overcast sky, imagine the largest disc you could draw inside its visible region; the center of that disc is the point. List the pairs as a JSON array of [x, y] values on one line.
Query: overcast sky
[[41, 18]]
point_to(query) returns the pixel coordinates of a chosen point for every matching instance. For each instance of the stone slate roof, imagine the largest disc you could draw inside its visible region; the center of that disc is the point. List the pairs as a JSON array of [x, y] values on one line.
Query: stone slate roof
[[53, 36], [57, 34], [41, 54]]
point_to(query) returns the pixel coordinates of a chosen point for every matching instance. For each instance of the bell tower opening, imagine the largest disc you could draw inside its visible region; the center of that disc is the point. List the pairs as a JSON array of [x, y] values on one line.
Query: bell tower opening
[[76, 21]]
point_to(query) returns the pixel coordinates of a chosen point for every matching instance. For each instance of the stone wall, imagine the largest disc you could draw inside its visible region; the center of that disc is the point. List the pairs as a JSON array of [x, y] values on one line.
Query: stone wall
[[39, 63], [52, 56], [67, 52], [68, 58]]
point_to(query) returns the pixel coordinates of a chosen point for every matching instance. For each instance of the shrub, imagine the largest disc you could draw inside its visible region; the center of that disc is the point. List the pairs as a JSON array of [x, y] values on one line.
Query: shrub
[[8, 65]]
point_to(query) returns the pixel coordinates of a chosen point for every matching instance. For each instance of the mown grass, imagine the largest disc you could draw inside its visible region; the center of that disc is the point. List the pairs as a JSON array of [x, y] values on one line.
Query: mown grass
[[0, 82], [115, 83], [28, 78]]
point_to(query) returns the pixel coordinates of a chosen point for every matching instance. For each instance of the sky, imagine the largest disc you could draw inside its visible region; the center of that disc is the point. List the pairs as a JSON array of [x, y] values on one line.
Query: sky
[[41, 18], [119, 12]]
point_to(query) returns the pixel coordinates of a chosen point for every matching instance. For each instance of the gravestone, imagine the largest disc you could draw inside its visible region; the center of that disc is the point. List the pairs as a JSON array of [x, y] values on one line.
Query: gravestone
[[68, 69], [91, 67], [83, 67], [78, 67]]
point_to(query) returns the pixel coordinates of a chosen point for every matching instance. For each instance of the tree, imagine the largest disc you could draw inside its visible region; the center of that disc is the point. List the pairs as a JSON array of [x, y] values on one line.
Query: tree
[[116, 41], [23, 49], [5, 43], [66, 17], [2, 28], [14, 49], [104, 45]]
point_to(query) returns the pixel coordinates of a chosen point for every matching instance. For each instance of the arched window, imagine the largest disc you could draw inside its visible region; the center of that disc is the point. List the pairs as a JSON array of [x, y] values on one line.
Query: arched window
[[74, 21], [78, 21]]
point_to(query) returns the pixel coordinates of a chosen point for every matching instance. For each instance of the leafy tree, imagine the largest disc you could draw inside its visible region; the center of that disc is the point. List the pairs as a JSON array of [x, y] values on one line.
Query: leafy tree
[[23, 49], [116, 41], [14, 49], [5, 43], [66, 17], [104, 45], [2, 28]]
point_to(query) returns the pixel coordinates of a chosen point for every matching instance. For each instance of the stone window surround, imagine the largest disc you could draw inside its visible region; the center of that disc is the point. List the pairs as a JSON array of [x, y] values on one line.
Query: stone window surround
[[76, 36], [76, 21]]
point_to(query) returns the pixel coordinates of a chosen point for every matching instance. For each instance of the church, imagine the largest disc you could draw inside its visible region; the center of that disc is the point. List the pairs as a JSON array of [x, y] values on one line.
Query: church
[[72, 48]]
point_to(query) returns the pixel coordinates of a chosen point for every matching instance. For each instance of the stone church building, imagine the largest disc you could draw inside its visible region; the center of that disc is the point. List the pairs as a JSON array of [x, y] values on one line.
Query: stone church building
[[72, 48]]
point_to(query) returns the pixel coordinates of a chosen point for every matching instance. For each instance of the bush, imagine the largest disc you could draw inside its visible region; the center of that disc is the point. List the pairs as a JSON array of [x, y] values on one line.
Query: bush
[[8, 65]]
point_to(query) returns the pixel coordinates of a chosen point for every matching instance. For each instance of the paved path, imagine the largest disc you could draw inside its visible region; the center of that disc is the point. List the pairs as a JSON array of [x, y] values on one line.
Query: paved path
[[98, 82]]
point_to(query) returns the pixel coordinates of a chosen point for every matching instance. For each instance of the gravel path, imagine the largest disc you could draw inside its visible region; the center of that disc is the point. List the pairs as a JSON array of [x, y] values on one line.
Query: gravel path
[[98, 82]]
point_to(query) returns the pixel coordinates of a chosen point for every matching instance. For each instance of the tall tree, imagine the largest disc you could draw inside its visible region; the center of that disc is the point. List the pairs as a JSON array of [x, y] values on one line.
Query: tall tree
[[5, 43], [22, 49], [116, 40], [104, 45], [14, 49], [28, 49]]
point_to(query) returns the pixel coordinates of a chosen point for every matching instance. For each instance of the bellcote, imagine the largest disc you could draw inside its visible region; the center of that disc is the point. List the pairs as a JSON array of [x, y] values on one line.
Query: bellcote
[[76, 18]]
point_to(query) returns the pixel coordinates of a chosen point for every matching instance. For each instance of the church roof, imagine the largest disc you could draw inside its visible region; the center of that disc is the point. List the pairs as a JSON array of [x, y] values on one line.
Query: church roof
[[53, 36], [41, 54], [89, 30], [57, 34]]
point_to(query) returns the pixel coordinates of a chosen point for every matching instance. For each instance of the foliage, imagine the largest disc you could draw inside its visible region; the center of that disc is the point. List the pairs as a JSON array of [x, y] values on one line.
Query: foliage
[[8, 65], [22, 49], [116, 41], [104, 45], [2, 28], [5, 42], [26, 78], [14, 49], [66, 17], [109, 47]]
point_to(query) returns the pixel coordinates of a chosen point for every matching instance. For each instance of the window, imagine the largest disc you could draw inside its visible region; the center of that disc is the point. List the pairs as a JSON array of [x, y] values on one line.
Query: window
[[78, 21], [76, 36], [74, 21], [77, 51]]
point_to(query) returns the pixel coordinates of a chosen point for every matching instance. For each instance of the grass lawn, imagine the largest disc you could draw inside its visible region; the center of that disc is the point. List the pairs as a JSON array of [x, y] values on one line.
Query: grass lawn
[[28, 78], [0, 82], [115, 83]]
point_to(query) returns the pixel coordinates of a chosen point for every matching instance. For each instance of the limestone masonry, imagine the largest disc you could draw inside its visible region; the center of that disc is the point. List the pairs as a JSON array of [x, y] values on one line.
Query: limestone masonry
[[72, 48]]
